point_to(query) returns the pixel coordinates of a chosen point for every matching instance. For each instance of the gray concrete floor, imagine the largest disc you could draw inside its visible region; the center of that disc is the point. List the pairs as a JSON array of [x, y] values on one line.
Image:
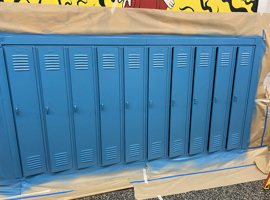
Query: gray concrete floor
[[251, 191]]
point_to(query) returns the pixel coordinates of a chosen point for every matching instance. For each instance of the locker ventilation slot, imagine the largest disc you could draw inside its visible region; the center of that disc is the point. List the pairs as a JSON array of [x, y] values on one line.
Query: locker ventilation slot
[[197, 143], [134, 150], [156, 148], [81, 61], [182, 60], [204, 59], [111, 153], [61, 159], [20, 62], [158, 61], [244, 59], [235, 138], [217, 141], [52, 62], [87, 155], [108, 61], [34, 162], [134, 61], [177, 145], [225, 59]]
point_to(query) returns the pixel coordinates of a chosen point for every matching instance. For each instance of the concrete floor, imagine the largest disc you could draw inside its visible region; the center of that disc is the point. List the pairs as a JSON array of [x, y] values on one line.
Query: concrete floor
[[251, 191]]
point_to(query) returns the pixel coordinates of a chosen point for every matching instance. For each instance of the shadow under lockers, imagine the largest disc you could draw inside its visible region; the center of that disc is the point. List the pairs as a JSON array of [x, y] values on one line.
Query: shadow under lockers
[[82, 106]]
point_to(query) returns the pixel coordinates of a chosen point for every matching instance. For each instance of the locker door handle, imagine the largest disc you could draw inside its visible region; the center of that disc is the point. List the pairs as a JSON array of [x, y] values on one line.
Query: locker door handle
[[126, 105], [102, 106], [75, 108], [195, 100], [150, 103], [47, 110], [234, 98], [215, 99], [17, 111], [173, 102]]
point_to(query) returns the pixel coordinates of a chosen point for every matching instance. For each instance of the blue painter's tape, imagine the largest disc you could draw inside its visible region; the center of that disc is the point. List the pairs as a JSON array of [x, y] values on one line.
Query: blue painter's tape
[[257, 147], [265, 122], [42, 195], [203, 172]]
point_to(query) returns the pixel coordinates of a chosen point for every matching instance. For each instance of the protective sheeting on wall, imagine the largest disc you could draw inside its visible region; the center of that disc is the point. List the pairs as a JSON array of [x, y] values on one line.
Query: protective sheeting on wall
[[50, 19]]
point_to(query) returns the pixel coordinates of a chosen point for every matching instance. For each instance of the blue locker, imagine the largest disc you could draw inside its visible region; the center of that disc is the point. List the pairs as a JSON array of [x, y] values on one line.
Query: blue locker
[[158, 102], [83, 92], [135, 113], [52, 70], [181, 90], [109, 89], [221, 98], [201, 102], [240, 96], [23, 85]]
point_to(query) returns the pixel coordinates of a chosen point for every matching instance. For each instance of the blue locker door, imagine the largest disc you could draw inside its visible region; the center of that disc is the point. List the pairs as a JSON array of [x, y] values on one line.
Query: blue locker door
[[55, 106], [221, 98], [134, 103], [158, 102], [23, 86], [182, 76], [240, 96], [109, 88], [83, 92], [201, 102]]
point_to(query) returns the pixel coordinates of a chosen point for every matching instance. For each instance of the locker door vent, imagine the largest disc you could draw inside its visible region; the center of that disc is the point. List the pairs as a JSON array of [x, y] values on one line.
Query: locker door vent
[[244, 59], [181, 60], [158, 61], [87, 155], [108, 61], [111, 153], [177, 145], [81, 61], [134, 61], [20, 62], [52, 62], [235, 138], [204, 59], [217, 141], [134, 150], [197, 143], [156, 148], [61, 159], [34, 162], [225, 59]]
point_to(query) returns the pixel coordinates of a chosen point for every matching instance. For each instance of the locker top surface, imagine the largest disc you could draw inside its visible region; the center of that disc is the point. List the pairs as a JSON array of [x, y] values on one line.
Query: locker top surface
[[124, 40]]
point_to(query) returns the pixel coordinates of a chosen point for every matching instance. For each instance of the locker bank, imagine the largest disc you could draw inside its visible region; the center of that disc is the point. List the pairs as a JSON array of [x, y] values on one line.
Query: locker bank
[[76, 102]]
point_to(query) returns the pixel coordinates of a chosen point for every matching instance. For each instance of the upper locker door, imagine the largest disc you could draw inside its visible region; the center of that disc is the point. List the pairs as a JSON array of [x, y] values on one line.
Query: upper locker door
[[158, 102], [83, 93], [182, 76], [240, 96], [202, 94], [23, 86], [221, 98], [109, 88], [55, 106], [135, 113]]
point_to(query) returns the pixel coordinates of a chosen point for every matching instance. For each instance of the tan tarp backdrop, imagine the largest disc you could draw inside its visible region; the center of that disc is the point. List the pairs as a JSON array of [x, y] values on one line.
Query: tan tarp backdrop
[[55, 19]]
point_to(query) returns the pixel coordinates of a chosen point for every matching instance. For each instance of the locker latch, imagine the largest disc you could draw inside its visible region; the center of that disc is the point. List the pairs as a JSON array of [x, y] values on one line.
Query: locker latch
[[47, 110], [101, 106], [150, 103], [235, 98], [195, 100], [126, 105], [17, 111], [215, 99], [75, 108], [173, 102]]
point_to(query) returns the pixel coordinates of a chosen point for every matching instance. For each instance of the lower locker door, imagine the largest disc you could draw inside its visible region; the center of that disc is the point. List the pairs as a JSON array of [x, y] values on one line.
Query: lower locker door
[[221, 98], [158, 102], [202, 94], [182, 76], [135, 113], [55, 106], [240, 96], [82, 80], [109, 89], [23, 86]]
